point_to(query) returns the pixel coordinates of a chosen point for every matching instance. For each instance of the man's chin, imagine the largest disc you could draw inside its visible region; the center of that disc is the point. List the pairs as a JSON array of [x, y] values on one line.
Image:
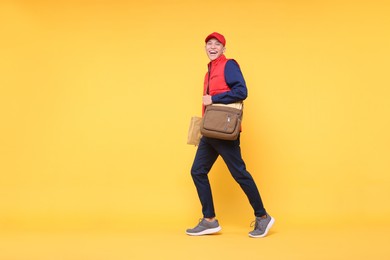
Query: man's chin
[[213, 57]]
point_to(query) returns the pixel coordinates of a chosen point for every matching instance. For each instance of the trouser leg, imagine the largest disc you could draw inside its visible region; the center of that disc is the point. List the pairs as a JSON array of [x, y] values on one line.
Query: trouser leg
[[205, 157], [230, 151]]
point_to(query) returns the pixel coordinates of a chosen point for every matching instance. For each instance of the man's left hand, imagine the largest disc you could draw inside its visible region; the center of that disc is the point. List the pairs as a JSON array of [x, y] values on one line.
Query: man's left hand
[[207, 100]]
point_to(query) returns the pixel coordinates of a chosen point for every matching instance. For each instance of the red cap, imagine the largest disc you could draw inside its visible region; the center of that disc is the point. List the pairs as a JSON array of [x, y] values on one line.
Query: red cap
[[217, 36]]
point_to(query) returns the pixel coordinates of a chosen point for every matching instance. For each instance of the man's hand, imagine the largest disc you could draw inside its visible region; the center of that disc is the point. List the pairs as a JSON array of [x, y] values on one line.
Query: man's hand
[[207, 100]]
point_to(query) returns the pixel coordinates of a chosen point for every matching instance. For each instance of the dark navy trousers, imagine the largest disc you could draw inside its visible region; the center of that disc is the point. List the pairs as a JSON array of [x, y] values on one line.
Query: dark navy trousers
[[208, 151]]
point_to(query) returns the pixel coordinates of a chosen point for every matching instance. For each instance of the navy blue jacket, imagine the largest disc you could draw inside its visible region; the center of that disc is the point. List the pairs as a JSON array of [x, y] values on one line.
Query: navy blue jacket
[[236, 82]]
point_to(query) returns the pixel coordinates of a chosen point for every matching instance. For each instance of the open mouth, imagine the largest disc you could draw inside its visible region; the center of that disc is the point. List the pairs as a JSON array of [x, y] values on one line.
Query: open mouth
[[212, 52]]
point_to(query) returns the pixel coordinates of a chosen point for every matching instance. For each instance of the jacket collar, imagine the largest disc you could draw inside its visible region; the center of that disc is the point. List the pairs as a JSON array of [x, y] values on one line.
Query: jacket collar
[[217, 60]]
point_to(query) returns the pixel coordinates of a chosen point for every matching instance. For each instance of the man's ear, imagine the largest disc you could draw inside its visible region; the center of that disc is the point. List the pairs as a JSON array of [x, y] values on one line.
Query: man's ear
[[224, 49]]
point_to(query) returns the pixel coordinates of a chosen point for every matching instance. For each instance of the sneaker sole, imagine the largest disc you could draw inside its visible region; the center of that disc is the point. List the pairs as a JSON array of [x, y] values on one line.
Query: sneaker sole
[[205, 232], [266, 230]]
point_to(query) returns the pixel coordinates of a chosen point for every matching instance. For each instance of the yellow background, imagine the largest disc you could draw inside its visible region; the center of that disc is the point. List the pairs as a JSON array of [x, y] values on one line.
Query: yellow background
[[96, 98]]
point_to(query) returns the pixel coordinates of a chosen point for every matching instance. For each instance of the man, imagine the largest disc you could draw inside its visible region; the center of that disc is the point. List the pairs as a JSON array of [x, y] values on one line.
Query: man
[[223, 83]]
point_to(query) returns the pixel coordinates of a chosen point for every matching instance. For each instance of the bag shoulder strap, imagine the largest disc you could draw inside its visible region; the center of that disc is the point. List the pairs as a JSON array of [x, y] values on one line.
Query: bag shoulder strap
[[208, 80]]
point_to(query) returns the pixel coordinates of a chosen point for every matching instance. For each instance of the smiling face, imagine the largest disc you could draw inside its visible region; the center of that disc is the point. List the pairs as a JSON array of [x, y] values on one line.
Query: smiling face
[[214, 49]]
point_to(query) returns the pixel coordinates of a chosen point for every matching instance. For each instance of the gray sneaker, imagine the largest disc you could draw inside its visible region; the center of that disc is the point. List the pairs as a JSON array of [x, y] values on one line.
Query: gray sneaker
[[262, 226], [204, 228]]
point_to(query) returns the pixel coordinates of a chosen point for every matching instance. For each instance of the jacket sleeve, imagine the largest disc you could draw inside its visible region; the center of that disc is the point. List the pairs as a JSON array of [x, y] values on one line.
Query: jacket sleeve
[[236, 82]]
